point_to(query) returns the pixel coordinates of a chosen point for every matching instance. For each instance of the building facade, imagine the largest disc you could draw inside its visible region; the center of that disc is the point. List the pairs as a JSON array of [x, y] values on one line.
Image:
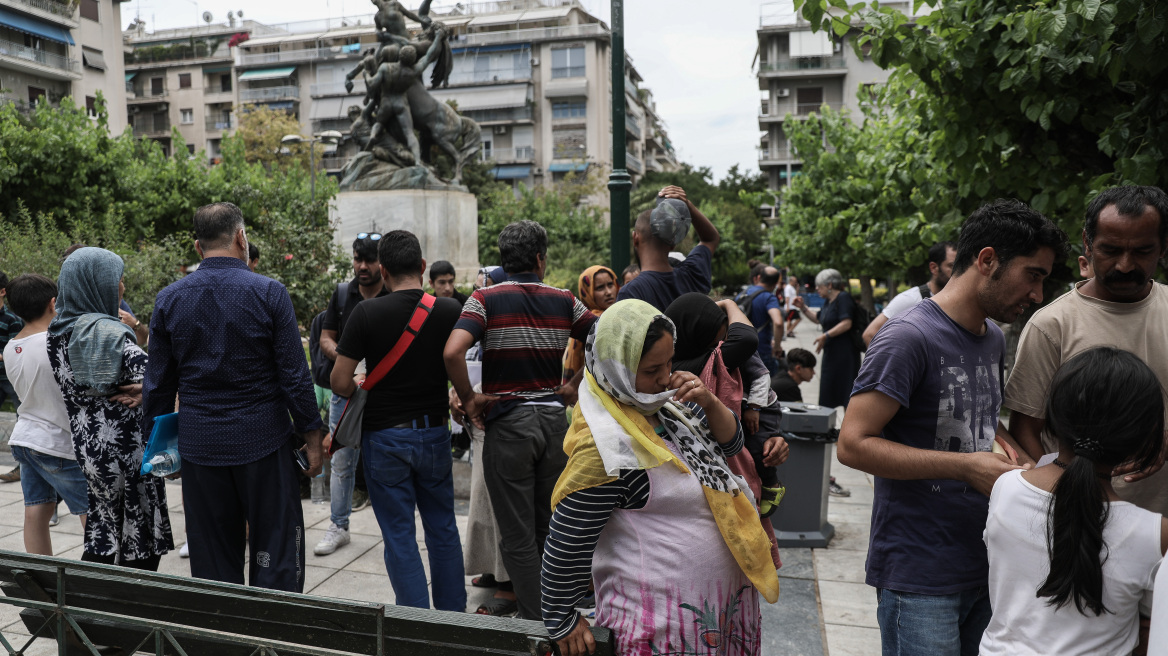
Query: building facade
[[533, 73], [51, 49]]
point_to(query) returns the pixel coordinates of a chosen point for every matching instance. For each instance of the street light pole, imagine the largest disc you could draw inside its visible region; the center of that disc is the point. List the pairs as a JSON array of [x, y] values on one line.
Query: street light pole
[[619, 182]]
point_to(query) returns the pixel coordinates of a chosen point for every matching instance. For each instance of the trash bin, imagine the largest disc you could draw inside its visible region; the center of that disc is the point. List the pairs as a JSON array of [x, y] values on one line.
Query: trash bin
[[801, 519]]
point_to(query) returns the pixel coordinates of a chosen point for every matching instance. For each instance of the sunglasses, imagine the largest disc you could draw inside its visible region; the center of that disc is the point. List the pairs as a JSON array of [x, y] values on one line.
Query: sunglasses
[[372, 236]]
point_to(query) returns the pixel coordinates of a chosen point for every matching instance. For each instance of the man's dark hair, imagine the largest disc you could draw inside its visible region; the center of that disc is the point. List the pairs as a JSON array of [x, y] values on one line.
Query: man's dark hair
[[519, 245], [1129, 201], [632, 268], [939, 250], [756, 271], [1010, 227], [643, 227], [3, 280], [771, 277], [800, 356], [29, 295], [253, 252], [367, 250], [400, 253], [441, 268], [71, 250], [216, 224]]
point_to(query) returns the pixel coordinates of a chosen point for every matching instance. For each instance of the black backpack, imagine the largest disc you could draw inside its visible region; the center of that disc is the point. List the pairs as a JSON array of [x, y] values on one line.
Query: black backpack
[[746, 304], [320, 366]]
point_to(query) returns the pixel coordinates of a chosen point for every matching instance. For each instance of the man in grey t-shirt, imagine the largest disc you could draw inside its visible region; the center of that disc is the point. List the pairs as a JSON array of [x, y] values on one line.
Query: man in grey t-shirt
[[941, 257]]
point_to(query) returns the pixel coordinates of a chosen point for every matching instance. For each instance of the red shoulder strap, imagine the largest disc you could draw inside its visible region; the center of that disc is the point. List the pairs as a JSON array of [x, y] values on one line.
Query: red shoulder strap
[[421, 314]]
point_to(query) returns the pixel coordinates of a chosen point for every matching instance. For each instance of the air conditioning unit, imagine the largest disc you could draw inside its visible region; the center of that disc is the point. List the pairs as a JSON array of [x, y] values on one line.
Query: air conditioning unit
[[538, 171], [535, 61], [782, 93], [500, 129]]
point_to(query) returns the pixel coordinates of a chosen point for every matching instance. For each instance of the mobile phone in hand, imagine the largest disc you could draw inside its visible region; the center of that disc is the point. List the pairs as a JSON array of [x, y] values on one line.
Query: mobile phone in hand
[[301, 459]]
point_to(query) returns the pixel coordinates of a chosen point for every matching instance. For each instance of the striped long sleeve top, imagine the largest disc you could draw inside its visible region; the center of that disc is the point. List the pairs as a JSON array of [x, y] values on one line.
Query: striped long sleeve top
[[575, 529]]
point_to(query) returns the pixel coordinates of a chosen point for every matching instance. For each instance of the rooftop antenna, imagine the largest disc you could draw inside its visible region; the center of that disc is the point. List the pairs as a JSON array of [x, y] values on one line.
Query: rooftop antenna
[[207, 17], [231, 18]]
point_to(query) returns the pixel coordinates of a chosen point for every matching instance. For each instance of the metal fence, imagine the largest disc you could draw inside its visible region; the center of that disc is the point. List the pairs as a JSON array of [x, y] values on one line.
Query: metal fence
[[63, 9], [45, 58], [269, 93]]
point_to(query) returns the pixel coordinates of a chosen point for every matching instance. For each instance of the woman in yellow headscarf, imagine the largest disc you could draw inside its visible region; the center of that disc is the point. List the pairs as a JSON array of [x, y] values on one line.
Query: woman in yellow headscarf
[[598, 288], [678, 571]]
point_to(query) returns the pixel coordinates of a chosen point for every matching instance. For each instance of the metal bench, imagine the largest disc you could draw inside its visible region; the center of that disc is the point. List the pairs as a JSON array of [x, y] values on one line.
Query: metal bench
[[101, 609]]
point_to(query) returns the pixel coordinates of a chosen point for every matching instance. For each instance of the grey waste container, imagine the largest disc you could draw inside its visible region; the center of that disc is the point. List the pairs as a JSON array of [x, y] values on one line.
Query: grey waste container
[[801, 519]]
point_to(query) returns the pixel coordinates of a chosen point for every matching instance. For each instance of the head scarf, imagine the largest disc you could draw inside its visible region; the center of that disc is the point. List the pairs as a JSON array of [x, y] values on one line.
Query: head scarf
[[609, 433], [698, 319], [574, 354], [87, 307]]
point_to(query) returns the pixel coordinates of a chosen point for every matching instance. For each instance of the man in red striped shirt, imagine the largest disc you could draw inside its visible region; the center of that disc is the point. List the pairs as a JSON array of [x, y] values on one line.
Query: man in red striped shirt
[[524, 326]]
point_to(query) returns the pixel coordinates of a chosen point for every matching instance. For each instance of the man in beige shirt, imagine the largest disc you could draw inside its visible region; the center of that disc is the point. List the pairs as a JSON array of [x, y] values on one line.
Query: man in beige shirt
[[1124, 238]]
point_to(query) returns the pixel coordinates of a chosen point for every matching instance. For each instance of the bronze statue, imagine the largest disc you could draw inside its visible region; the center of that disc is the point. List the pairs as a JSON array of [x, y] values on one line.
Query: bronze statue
[[392, 80]]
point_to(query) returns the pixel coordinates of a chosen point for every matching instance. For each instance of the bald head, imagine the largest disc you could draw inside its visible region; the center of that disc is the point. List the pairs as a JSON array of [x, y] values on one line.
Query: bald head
[[769, 278]]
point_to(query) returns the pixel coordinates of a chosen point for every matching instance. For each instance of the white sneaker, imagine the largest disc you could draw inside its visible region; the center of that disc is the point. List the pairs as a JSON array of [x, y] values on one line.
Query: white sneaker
[[334, 538], [185, 551]]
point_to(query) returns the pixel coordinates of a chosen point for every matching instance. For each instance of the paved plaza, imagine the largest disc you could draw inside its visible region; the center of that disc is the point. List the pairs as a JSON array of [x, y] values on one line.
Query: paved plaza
[[823, 608]]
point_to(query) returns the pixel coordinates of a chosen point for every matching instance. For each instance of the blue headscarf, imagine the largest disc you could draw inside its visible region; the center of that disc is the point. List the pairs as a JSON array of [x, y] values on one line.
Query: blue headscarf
[[87, 306]]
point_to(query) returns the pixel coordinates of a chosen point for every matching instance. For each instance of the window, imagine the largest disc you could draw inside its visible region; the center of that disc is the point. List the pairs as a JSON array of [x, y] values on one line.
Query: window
[[93, 58], [571, 143], [184, 80], [808, 99], [156, 86], [569, 109], [568, 62], [225, 83], [89, 10], [191, 149], [188, 116], [91, 106], [35, 94]]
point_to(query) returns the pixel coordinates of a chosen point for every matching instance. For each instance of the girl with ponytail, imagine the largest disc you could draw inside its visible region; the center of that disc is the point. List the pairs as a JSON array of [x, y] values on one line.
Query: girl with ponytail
[[1069, 560]]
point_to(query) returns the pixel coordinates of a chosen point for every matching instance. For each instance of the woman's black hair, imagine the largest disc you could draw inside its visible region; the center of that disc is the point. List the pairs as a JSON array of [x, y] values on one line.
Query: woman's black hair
[[1106, 406], [658, 328]]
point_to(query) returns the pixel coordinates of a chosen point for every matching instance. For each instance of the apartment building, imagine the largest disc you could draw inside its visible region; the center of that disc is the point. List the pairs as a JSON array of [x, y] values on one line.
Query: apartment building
[[533, 73], [50, 49], [798, 72]]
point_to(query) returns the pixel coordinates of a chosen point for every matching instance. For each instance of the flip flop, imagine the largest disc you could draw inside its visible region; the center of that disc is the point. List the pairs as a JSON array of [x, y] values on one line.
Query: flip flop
[[498, 607], [484, 581]]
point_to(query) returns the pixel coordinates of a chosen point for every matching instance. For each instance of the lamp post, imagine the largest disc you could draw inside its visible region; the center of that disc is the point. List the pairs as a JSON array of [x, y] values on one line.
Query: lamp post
[[619, 181], [329, 136]]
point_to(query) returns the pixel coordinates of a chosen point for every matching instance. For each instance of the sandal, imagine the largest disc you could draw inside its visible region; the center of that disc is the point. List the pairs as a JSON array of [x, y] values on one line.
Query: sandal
[[771, 496], [484, 581], [498, 607]]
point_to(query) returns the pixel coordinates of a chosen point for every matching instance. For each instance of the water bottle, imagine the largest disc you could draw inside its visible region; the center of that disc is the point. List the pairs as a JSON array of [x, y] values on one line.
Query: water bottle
[[164, 463], [318, 494]]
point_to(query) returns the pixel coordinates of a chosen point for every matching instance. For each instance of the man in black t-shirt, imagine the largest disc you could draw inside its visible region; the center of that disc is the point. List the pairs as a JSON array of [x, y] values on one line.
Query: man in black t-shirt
[[799, 367], [405, 435], [442, 280]]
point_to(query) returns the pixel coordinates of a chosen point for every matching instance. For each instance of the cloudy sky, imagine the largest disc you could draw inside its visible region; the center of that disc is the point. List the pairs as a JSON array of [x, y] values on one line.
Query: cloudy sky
[[695, 56]]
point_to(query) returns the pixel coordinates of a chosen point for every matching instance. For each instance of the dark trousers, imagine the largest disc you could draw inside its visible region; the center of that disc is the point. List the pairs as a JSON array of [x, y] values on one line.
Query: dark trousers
[[258, 503], [769, 419], [523, 457]]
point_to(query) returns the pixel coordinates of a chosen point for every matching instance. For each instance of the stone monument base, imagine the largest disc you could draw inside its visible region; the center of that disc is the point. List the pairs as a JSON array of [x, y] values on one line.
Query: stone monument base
[[445, 222]]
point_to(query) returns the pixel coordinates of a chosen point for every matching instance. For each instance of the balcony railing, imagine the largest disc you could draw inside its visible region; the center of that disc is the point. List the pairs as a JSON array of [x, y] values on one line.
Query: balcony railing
[[499, 115], [21, 51], [533, 34], [508, 74], [520, 154], [775, 154], [309, 54], [221, 123], [804, 64], [779, 110], [62, 9], [337, 88], [567, 71], [803, 109], [633, 163], [146, 94], [150, 126], [633, 126], [267, 94]]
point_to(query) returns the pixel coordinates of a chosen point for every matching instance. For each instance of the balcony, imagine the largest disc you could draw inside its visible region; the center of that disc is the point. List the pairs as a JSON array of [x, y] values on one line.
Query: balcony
[[778, 112], [811, 66], [51, 65], [55, 11], [215, 96], [290, 56], [777, 156], [506, 115], [634, 163], [269, 94], [632, 126], [491, 76], [221, 123], [653, 165], [152, 126], [520, 154], [534, 34], [337, 89], [145, 95]]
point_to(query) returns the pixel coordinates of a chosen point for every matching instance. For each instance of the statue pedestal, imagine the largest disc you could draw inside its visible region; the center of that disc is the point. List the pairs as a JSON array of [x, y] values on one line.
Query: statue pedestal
[[445, 222]]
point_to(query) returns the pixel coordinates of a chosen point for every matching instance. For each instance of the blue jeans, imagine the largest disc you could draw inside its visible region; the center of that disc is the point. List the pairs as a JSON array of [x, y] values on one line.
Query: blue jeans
[[44, 478], [407, 468], [344, 468], [932, 625]]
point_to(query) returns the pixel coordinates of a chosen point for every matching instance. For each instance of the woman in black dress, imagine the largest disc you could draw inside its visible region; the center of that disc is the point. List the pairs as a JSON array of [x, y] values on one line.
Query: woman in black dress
[[841, 358]]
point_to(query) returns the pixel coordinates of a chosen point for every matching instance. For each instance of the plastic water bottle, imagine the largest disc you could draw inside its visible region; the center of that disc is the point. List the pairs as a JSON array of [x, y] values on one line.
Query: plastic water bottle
[[164, 463], [318, 494]]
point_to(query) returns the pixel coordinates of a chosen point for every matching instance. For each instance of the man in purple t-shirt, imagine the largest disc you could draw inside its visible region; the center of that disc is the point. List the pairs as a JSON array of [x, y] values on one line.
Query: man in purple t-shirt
[[922, 419]]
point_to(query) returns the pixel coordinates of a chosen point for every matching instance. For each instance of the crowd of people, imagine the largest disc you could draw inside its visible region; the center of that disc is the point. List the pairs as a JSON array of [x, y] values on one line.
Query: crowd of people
[[625, 440]]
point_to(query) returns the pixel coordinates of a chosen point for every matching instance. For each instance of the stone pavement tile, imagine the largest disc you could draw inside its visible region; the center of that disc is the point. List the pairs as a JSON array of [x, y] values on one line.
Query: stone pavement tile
[[315, 576], [840, 565], [797, 563], [852, 640], [12, 496], [372, 561], [853, 604], [849, 512], [364, 522], [173, 564], [357, 586], [340, 558], [62, 543], [476, 596], [317, 515], [862, 495], [790, 626], [851, 535]]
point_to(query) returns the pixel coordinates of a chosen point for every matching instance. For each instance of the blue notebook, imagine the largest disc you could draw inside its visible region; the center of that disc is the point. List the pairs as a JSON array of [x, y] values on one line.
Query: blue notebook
[[163, 437]]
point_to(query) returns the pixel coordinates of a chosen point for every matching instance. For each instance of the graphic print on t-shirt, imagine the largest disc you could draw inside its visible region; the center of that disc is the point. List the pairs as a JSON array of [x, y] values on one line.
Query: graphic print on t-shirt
[[965, 419]]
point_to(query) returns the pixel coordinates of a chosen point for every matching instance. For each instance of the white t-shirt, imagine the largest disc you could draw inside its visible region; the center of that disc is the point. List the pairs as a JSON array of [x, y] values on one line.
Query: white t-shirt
[[1022, 623], [1158, 640], [902, 302], [789, 295], [43, 422]]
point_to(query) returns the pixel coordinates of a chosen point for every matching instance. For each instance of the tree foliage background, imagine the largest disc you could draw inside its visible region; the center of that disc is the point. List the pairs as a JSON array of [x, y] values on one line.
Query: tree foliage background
[[65, 179], [1048, 102]]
